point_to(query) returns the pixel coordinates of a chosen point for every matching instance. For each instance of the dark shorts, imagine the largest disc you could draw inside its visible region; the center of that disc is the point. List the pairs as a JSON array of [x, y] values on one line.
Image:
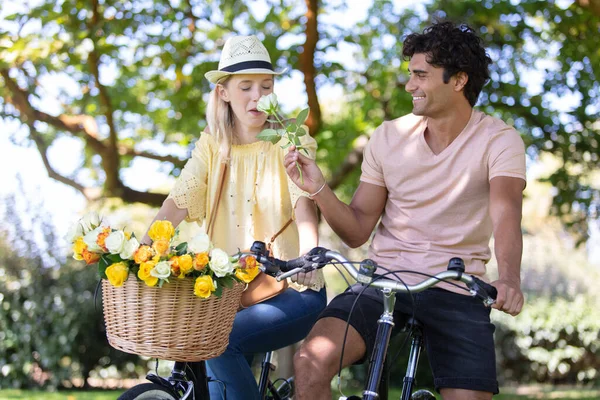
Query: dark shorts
[[459, 336]]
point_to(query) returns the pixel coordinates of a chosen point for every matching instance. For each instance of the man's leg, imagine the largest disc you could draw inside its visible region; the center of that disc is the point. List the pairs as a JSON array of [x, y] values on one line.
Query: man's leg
[[318, 359]]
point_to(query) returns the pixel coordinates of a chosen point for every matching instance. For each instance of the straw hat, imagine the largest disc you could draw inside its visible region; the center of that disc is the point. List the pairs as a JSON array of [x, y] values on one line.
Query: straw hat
[[243, 55]]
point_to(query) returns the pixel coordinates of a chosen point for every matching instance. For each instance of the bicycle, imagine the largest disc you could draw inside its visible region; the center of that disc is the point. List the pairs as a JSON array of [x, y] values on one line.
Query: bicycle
[[319, 257], [189, 380]]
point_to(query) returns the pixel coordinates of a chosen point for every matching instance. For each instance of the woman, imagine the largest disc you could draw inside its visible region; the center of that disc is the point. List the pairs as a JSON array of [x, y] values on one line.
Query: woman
[[257, 200]]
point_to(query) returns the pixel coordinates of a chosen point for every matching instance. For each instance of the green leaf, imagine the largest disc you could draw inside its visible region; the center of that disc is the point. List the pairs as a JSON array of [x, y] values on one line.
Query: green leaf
[[181, 249], [292, 128], [226, 281], [288, 144], [302, 115], [218, 291], [304, 151], [296, 140], [102, 265], [301, 131], [269, 135]]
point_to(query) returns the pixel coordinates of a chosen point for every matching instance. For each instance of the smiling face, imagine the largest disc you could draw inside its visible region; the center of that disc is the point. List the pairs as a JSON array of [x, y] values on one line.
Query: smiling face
[[431, 96], [242, 92]]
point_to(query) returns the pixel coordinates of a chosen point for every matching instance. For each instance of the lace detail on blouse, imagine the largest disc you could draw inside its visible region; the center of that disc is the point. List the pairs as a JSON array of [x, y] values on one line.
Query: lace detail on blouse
[[189, 193]]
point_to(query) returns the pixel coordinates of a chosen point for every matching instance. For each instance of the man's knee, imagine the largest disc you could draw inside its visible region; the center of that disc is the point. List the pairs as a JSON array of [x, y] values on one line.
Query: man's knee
[[321, 351]]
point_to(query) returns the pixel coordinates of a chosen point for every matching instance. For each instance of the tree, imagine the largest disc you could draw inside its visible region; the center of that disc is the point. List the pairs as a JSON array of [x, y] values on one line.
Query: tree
[[134, 75], [137, 71]]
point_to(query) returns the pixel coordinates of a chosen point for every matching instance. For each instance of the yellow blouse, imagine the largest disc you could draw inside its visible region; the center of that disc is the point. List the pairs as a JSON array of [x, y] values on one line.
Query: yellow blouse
[[257, 198]]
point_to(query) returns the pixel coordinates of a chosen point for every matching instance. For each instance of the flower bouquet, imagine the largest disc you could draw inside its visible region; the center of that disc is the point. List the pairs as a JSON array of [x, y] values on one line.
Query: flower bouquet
[[182, 298]]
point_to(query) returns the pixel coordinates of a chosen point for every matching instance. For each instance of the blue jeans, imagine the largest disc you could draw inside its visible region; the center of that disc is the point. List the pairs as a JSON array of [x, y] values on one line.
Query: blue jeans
[[271, 325]]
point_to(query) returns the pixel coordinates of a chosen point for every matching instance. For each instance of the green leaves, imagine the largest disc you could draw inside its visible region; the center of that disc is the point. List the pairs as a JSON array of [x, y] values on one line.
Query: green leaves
[[269, 135], [106, 260], [302, 115]]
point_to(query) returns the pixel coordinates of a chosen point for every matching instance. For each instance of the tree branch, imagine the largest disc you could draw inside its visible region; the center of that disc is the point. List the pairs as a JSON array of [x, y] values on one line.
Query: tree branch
[[128, 151], [111, 158], [352, 160], [592, 5], [307, 65]]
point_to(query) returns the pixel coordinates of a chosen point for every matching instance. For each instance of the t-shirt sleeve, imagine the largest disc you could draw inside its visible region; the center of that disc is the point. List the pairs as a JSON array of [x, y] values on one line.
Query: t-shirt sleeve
[[372, 171], [507, 155], [189, 191], [310, 144]]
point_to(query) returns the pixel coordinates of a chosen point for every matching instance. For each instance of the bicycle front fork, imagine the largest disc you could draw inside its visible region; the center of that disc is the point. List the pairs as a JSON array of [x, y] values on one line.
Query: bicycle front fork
[[385, 324]]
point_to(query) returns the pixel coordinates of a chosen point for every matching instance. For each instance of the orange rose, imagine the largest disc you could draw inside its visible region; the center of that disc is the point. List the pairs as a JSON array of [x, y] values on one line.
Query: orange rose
[[89, 257], [143, 254], [200, 261], [102, 238], [250, 262], [175, 269], [161, 246]]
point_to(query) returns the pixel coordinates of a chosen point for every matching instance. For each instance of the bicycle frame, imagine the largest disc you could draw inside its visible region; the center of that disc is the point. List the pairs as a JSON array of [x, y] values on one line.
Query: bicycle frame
[[195, 385]]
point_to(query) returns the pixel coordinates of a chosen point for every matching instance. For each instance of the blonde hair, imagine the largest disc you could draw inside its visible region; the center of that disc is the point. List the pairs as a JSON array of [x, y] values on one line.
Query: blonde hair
[[220, 120]]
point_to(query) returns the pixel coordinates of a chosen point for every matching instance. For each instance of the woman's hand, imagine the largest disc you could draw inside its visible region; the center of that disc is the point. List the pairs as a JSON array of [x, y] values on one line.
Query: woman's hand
[[305, 278]]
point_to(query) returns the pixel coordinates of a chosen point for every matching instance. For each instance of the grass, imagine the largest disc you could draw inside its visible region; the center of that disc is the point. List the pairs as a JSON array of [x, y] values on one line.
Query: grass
[[524, 393]]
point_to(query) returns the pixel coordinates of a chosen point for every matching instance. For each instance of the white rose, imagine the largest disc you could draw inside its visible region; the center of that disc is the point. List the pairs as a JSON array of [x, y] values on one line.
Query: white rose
[[90, 221], [199, 244], [129, 249], [90, 239], [115, 242], [75, 232], [267, 104], [162, 270], [219, 263]]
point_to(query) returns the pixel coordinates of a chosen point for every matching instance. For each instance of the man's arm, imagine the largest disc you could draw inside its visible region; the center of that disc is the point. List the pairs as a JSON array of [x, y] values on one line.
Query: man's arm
[[352, 223], [506, 200]]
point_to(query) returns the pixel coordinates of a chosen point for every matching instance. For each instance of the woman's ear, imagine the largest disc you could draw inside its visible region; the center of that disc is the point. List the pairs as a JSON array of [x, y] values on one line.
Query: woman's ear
[[222, 92]]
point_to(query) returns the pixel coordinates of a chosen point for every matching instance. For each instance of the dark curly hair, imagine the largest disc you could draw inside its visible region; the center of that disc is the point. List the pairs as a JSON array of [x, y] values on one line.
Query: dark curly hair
[[456, 49]]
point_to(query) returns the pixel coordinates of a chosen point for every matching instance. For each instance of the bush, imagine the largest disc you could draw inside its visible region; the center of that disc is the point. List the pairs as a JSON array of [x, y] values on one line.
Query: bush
[[51, 333], [551, 341]]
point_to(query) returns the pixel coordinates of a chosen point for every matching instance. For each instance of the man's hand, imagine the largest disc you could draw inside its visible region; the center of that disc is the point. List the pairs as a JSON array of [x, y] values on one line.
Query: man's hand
[[510, 297], [313, 177]]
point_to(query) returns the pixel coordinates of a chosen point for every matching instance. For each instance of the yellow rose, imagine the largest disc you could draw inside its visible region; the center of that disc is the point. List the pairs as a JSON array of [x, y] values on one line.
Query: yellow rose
[[145, 268], [161, 246], [200, 261], [89, 257], [78, 247], [151, 281], [117, 274], [246, 275], [185, 264], [161, 230], [143, 254], [204, 286]]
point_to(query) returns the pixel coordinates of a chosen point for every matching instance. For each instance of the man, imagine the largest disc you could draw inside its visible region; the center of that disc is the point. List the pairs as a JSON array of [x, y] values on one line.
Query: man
[[442, 179]]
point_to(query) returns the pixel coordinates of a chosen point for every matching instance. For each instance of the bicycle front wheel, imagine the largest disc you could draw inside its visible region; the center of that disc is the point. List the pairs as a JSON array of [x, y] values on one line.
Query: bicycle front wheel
[[148, 391]]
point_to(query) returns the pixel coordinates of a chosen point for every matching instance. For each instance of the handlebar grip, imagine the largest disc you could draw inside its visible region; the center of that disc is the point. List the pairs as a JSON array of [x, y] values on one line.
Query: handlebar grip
[[296, 263], [489, 289]]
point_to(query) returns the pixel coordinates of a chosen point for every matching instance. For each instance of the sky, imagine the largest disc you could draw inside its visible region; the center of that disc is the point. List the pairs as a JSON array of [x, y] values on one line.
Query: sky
[[24, 173]]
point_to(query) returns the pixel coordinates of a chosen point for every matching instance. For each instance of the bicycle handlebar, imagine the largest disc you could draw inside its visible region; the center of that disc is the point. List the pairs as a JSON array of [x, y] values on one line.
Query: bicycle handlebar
[[319, 257]]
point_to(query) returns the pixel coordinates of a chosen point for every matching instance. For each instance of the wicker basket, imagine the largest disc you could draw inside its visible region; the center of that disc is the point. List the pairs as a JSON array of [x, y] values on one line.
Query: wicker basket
[[170, 322]]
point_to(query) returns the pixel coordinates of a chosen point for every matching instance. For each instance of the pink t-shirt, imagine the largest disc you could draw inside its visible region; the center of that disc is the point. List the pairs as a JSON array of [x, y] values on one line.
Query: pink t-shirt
[[438, 205]]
